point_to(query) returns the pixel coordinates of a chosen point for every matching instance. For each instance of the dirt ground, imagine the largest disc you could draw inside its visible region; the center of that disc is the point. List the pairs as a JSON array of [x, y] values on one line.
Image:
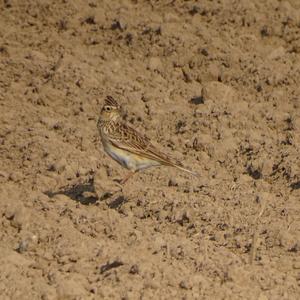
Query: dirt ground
[[216, 84]]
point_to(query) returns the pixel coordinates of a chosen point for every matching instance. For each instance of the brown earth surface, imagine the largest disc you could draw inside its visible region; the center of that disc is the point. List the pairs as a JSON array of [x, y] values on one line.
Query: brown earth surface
[[214, 83]]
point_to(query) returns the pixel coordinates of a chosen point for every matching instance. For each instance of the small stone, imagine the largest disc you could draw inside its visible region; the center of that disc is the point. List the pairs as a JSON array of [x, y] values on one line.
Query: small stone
[[90, 20], [172, 182], [204, 52], [213, 71], [51, 123], [197, 146], [217, 92], [267, 167], [254, 170], [170, 18], [155, 64], [182, 217], [186, 74], [262, 297], [158, 244], [265, 31], [20, 218], [4, 174], [163, 214], [277, 53], [118, 24], [22, 247], [139, 212], [296, 265], [94, 290], [16, 176], [9, 213], [289, 11], [34, 238], [58, 166], [61, 198], [134, 269], [105, 186], [69, 172], [184, 284], [288, 241], [147, 97], [69, 289], [14, 258], [82, 171]]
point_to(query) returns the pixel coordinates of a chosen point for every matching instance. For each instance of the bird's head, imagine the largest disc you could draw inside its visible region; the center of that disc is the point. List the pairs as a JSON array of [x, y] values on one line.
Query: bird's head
[[111, 110]]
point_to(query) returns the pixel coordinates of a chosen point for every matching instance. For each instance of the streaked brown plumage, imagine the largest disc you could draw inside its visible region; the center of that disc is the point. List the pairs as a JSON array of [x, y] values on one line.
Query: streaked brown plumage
[[128, 147]]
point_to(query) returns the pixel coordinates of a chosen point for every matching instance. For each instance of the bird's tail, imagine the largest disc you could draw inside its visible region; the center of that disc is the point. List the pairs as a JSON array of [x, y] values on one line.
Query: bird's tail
[[186, 170]]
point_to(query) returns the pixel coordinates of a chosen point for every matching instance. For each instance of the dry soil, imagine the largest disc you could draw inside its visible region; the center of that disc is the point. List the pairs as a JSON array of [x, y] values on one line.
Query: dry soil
[[216, 84]]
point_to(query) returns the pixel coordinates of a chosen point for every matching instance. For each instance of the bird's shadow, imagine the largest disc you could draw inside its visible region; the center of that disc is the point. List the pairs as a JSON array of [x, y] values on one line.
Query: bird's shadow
[[85, 193]]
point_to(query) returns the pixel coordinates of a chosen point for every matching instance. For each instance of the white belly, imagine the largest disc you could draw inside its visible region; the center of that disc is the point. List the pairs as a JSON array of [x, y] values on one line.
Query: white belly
[[129, 160]]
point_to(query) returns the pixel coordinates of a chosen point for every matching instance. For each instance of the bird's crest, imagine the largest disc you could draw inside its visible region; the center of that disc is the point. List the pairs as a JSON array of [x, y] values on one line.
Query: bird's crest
[[109, 100]]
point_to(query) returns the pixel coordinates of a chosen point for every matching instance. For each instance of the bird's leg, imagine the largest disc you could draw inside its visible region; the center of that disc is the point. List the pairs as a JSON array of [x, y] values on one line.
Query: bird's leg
[[127, 177]]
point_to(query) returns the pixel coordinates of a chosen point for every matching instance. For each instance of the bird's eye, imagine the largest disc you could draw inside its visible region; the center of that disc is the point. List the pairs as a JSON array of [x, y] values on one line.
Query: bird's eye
[[107, 108]]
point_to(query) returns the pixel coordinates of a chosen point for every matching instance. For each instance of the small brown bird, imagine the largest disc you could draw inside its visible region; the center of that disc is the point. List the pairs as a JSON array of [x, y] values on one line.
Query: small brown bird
[[127, 146]]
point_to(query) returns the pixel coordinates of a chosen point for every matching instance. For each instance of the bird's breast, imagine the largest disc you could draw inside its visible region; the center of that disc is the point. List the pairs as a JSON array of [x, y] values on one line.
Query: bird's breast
[[127, 159]]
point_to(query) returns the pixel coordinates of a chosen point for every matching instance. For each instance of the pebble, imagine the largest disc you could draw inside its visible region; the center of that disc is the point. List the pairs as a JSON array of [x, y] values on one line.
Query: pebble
[[119, 24], [134, 269], [267, 167], [155, 64], [69, 289], [20, 218], [10, 256], [58, 166], [103, 185], [217, 92], [158, 244], [9, 213], [213, 71], [69, 172], [288, 241], [184, 284], [173, 182], [289, 11], [139, 212], [22, 246], [182, 217], [4, 174], [17, 215], [170, 18], [277, 53], [49, 122], [262, 297], [27, 242], [15, 176]]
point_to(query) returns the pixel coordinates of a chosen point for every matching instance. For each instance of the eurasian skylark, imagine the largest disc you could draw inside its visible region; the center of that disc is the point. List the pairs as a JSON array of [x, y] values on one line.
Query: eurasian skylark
[[128, 147]]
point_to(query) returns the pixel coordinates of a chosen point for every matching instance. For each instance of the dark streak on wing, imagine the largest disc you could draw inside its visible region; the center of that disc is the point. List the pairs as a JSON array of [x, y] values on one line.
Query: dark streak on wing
[[127, 138]]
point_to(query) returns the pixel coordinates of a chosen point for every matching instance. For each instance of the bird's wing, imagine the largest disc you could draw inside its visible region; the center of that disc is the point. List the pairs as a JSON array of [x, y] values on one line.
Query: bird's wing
[[127, 138]]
